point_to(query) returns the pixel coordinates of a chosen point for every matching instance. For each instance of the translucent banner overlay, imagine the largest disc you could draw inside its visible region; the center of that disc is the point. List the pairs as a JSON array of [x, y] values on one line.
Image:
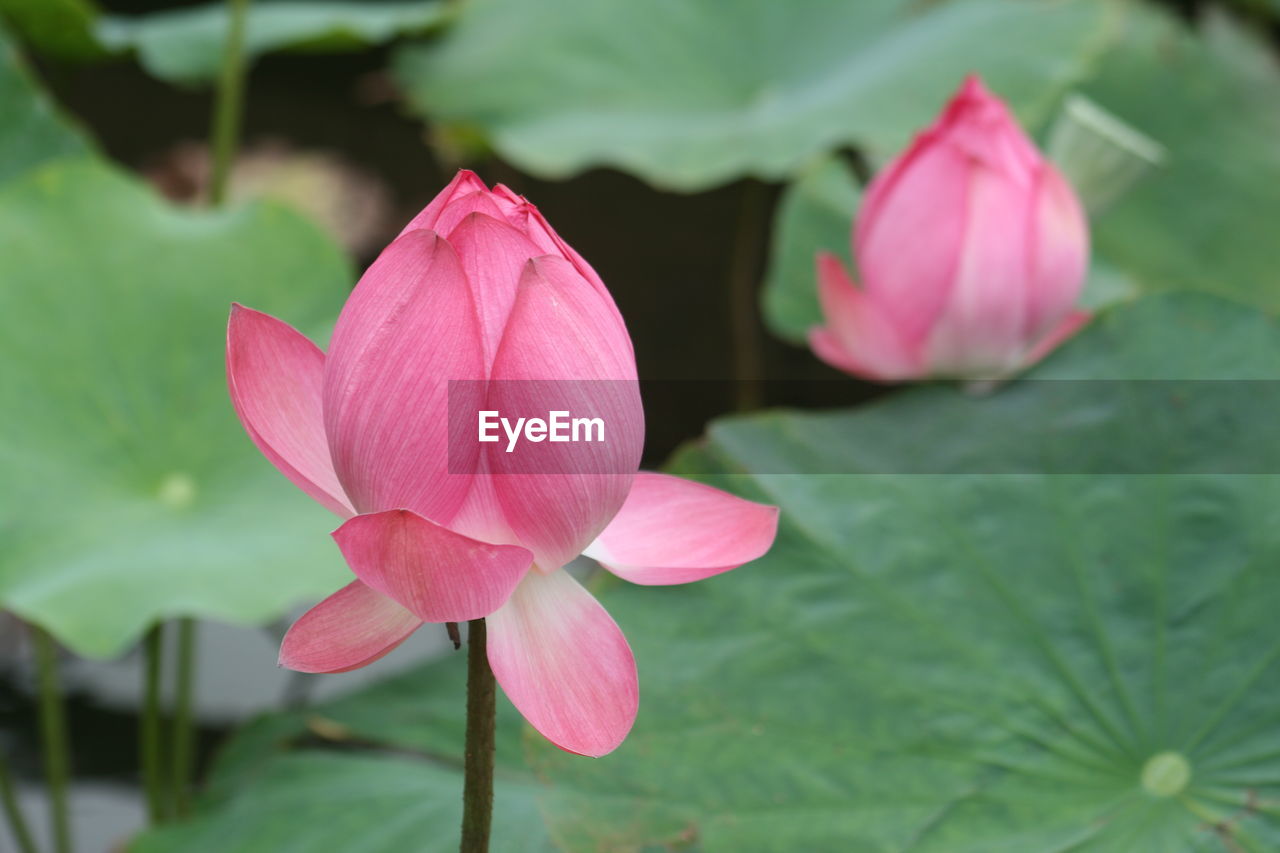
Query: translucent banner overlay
[[1023, 427]]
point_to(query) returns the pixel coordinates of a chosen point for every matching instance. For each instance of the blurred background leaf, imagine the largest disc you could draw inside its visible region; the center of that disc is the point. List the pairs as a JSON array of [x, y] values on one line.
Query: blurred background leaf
[[688, 95], [131, 492], [185, 45], [1206, 219], [32, 129], [815, 214], [971, 662], [58, 28]]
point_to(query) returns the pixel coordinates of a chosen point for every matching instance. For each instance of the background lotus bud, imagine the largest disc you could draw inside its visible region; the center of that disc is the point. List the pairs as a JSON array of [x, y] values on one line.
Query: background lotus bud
[[972, 251]]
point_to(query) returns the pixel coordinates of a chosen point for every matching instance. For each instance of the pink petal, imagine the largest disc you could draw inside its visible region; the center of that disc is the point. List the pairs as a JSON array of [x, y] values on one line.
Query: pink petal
[[1059, 236], [457, 211], [908, 235], [438, 575], [540, 231], [564, 350], [351, 628], [409, 327], [981, 126], [464, 183], [493, 255], [672, 530], [564, 663], [980, 331], [275, 376], [859, 336]]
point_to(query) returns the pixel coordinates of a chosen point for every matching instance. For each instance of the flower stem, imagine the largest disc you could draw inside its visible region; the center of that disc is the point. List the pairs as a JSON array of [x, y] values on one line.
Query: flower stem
[[152, 768], [227, 108], [743, 297], [477, 790], [53, 733], [183, 730], [13, 812]]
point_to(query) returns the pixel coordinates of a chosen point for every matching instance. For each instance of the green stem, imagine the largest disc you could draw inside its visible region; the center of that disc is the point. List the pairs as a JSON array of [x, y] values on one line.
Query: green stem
[[53, 733], [13, 812], [743, 297], [183, 730], [227, 107], [477, 789], [150, 735]]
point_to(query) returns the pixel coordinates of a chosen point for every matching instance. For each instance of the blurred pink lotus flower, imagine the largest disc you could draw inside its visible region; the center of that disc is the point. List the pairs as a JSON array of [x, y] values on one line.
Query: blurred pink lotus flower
[[479, 287], [972, 251]]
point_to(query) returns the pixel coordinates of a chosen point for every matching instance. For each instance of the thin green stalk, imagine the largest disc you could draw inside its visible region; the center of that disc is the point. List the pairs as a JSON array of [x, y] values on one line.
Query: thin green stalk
[[13, 812], [228, 104], [150, 734], [744, 297], [53, 734], [228, 111], [477, 788], [183, 728]]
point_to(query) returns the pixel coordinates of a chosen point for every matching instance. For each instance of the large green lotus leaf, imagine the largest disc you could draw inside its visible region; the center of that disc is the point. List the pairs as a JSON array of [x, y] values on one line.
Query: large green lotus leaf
[[964, 661], [816, 214], [395, 785], [692, 93], [1206, 218], [31, 129], [131, 492], [316, 801], [186, 45]]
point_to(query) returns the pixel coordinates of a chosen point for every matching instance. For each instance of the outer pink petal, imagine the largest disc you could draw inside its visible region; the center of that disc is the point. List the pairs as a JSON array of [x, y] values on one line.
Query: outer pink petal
[[564, 350], [672, 531], [351, 628], [438, 575], [493, 255], [464, 183], [1059, 238], [909, 233], [564, 663], [275, 377], [409, 327], [859, 336]]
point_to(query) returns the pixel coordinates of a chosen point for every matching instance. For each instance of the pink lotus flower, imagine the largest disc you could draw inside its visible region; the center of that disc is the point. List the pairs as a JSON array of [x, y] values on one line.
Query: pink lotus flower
[[479, 287], [972, 250]]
